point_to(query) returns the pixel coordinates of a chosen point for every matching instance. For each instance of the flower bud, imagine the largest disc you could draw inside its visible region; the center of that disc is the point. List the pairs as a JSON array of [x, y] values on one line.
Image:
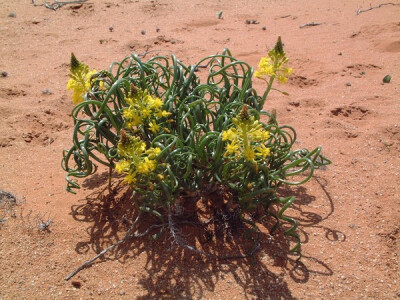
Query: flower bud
[[75, 63]]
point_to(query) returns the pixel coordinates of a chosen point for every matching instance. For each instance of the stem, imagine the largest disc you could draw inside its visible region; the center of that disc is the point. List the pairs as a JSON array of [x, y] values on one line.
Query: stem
[[264, 97]]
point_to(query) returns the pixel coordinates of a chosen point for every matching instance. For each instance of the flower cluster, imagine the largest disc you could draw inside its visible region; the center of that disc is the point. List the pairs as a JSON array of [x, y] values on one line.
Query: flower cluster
[[137, 160], [247, 138], [273, 65], [144, 109], [80, 79]]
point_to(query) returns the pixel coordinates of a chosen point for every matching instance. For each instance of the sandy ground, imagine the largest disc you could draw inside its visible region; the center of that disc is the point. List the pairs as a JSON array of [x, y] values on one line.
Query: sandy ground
[[349, 214]]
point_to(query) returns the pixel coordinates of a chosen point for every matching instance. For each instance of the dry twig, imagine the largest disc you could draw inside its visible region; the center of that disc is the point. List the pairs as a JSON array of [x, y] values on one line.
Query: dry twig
[[359, 11], [56, 4], [128, 235], [311, 24]]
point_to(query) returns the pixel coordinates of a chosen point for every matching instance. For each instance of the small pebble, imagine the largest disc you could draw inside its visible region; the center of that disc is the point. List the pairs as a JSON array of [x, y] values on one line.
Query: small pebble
[[12, 15], [77, 284], [387, 79], [111, 28], [252, 22], [143, 32], [158, 29], [4, 74], [264, 28], [340, 53], [47, 92], [348, 84]]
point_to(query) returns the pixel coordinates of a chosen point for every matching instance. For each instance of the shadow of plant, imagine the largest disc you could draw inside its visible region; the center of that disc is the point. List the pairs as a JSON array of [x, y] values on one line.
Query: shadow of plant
[[174, 272]]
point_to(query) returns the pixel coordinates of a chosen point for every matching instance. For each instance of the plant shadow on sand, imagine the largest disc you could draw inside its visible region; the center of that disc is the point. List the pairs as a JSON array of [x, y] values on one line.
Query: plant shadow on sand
[[170, 271]]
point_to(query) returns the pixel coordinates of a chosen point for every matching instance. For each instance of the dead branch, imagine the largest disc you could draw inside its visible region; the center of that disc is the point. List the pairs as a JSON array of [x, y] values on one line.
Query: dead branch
[[56, 5], [359, 11], [311, 24], [128, 235], [143, 54]]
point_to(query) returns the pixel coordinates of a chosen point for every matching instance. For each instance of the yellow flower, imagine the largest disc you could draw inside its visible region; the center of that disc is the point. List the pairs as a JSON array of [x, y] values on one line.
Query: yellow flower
[[130, 178], [259, 134], [230, 134], [263, 151], [154, 127], [156, 103], [231, 148], [146, 166], [249, 154], [145, 112], [153, 152], [129, 100], [122, 166], [162, 114]]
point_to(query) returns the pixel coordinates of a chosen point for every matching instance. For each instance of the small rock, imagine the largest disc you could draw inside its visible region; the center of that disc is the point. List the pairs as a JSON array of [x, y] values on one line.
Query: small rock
[[340, 53], [387, 79], [12, 15], [252, 22], [4, 74], [264, 28], [47, 92], [76, 284], [143, 32], [111, 28], [348, 84], [158, 29]]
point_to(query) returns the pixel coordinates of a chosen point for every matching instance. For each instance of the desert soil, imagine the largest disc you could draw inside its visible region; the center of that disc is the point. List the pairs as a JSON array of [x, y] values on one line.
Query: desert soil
[[349, 213]]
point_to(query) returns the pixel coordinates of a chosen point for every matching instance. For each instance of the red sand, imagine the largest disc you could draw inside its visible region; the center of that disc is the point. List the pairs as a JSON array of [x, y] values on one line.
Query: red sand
[[349, 214]]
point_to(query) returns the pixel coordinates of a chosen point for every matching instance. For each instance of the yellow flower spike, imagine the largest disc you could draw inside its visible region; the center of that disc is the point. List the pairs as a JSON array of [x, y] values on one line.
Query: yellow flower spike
[[247, 138], [273, 65], [80, 79], [137, 160]]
